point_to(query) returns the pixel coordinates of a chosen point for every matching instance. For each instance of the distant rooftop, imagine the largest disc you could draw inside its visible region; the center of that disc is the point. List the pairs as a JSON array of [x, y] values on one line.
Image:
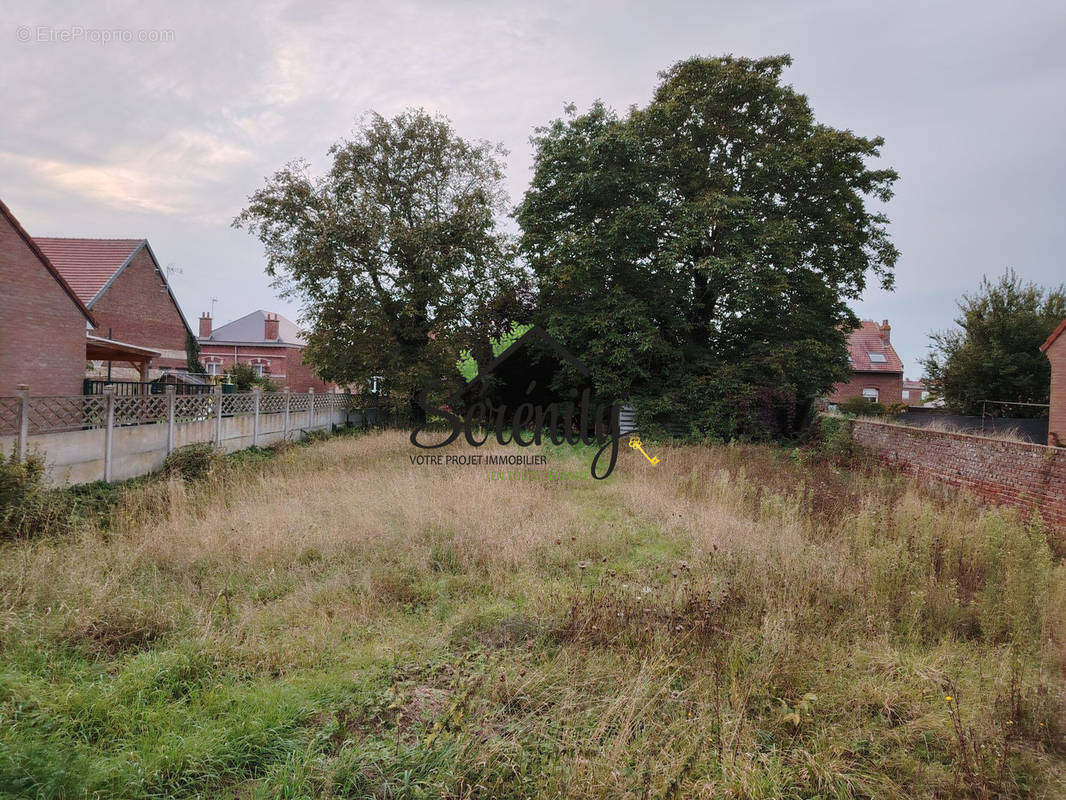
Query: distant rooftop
[[869, 352], [250, 328]]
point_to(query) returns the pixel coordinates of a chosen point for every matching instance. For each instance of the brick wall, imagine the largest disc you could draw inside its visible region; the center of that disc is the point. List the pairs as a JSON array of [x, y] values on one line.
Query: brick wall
[[139, 311], [1056, 354], [889, 386], [300, 376], [1027, 476], [42, 331]]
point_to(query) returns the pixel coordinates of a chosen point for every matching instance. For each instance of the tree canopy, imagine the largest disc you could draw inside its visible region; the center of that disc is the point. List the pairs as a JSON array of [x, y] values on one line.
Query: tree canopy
[[700, 252], [395, 251], [994, 352]]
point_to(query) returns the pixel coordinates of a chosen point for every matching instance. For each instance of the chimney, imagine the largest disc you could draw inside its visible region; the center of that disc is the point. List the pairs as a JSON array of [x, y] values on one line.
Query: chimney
[[270, 327], [205, 326], [886, 332]]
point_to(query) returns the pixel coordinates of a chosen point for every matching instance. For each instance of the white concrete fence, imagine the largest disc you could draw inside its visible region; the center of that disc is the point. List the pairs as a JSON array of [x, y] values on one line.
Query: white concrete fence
[[111, 437]]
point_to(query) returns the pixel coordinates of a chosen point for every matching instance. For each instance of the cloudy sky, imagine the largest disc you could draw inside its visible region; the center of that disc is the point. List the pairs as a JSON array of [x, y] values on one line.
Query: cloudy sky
[[166, 138]]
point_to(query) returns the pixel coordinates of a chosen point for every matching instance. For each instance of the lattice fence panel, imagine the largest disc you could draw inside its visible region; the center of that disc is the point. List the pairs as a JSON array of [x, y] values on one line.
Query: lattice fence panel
[[140, 410], [236, 404], [9, 415], [299, 402], [272, 403], [194, 407], [51, 414]]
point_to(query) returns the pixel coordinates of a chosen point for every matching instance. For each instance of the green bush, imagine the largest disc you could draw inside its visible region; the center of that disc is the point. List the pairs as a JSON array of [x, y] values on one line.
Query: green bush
[[317, 435], [19, 479], [244, 378], [829, 439], [862, 407], [27, 507], [194, 462]]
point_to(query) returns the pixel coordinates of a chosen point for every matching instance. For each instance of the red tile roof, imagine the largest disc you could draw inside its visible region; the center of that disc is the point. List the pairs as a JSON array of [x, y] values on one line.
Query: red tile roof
[[88, 264], [1055, 334], [32, 244], [868, 339]]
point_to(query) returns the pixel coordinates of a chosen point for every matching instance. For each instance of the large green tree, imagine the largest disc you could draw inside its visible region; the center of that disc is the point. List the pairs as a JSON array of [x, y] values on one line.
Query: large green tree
[[994, 353], [700, 252], [395, 251]]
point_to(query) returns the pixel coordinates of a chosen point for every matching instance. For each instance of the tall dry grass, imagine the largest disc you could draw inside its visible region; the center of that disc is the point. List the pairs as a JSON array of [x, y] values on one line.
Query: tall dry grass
[[734, 622]]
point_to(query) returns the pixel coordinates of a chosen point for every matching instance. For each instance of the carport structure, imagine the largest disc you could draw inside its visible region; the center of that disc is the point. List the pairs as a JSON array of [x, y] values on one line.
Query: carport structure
[[98, 348]]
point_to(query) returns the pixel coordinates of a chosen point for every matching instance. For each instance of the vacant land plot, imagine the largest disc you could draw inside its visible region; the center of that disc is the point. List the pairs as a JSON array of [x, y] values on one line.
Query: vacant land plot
[[733, 622]]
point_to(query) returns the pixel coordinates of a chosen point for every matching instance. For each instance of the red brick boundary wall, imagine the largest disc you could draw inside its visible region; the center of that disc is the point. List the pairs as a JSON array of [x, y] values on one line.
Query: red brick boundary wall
[[1030, 477]]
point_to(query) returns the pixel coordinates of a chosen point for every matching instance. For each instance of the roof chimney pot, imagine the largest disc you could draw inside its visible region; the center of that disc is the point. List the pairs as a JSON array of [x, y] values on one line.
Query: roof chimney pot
[[270, 327]]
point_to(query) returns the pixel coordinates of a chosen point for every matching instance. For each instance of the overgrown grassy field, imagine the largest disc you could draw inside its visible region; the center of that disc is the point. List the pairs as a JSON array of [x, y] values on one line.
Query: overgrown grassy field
[[734, 622]]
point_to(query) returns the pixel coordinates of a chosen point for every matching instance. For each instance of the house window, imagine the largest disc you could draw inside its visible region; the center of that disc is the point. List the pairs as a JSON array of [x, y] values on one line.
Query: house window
[[213, 368], [877, 358], [258, 369], [376, 384], [871, 395]]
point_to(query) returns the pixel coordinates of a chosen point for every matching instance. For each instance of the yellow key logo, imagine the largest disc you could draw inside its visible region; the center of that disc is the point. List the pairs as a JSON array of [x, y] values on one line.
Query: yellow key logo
[[634, 442]]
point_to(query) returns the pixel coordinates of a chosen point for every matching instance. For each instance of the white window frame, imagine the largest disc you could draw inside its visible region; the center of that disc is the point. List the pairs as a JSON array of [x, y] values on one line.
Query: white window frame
[[871, 395], [214, 368]]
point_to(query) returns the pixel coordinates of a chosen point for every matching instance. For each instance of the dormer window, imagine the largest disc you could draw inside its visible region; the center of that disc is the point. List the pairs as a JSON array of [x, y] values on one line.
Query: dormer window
[[877, 358]]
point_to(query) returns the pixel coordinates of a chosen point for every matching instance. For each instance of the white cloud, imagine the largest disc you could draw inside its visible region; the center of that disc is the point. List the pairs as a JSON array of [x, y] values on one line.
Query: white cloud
[[172, 177]]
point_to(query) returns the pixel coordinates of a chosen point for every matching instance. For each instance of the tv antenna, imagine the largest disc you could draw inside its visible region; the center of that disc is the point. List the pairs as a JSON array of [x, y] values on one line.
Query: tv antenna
[[171, 269]]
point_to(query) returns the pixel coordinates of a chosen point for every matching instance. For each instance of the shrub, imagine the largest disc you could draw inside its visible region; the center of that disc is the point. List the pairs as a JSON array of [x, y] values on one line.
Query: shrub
[[19, 479], [836, 442], [251, 456], [862, 407], [27, 507], [194, 462], [244, 378], [316, 435]]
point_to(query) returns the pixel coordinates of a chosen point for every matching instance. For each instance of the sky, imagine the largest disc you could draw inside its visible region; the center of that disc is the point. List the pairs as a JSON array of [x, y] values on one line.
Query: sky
[[139, 119]]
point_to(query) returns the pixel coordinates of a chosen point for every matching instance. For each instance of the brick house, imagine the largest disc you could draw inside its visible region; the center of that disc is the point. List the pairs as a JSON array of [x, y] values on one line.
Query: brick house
[[121, 283], [1055, 349], [915, 393], [876, 369], [268, 342], [42, 320]]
